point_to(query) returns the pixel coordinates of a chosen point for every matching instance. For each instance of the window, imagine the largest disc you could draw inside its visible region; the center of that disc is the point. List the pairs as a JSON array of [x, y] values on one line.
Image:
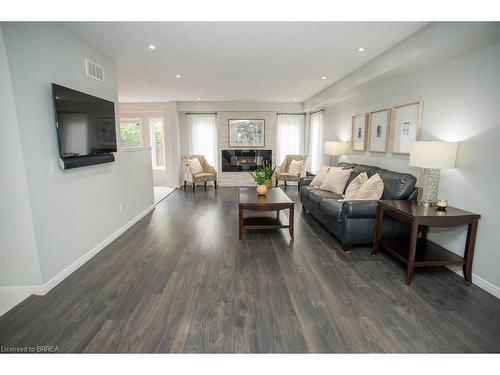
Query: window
[[290, 136], [157, 142], [316, 141], [130, 133], [203, 136]]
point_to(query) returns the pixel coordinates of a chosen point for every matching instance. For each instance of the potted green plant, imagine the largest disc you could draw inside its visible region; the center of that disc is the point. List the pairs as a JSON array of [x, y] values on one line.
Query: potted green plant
[[268, 170], [260, 178]]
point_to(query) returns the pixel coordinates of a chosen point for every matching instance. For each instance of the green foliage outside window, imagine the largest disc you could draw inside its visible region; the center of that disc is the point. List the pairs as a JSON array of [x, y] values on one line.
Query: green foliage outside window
[[130, 134], [158, 137]]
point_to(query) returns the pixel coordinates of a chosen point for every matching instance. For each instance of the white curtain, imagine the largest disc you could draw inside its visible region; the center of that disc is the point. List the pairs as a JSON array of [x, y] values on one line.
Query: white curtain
[[290, 136], [203, 136], [316, 141]]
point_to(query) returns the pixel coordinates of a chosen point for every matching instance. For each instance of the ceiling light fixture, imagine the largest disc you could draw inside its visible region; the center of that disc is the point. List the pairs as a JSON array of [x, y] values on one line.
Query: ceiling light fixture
[[294, 99], [361, 49], [177, 76], [199, 98], [152, 47], [323, 77]]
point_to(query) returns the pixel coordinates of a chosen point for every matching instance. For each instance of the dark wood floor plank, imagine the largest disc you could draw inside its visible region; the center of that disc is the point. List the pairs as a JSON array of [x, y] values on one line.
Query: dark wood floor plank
[[180, 281]]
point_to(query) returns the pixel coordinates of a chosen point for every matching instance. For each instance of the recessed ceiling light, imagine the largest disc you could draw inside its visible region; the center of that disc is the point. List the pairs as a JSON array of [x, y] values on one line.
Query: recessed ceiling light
[[323, 77], [361, 49], [199, 99], [294, 99], [177, 76], [152, 46]]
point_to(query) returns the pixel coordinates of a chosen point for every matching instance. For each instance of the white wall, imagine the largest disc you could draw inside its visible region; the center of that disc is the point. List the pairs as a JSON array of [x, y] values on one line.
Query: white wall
[[72, 210], [461, 103], [18, 254], [169, 176]]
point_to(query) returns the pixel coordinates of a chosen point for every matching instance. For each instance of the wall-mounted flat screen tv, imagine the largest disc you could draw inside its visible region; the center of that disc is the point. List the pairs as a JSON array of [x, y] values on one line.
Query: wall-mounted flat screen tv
[[85, 124]]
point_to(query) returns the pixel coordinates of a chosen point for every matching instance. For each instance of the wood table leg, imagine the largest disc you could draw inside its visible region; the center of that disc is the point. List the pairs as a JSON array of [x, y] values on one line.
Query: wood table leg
[[290, 221], [378, 230], [469, 249], [412, 251], [242, 228], [424, 229]]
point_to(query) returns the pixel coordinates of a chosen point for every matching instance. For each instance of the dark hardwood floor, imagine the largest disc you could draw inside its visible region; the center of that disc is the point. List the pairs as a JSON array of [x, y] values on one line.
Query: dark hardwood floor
[[181, 281]]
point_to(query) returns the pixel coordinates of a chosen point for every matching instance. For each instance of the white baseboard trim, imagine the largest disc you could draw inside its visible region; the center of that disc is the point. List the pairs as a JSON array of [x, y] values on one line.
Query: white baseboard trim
[[480, 282], [10, 296]]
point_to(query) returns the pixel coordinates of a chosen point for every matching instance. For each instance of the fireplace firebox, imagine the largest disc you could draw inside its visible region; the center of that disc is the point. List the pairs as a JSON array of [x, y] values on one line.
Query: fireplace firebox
[[244, 160]]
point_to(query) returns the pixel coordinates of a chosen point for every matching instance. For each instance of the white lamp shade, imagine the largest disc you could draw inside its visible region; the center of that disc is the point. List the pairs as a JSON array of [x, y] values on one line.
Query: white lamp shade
[[336, 148], [433, 154]]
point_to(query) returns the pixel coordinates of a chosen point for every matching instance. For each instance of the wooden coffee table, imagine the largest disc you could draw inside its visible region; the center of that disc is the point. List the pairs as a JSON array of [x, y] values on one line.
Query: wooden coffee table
[[274, 200]]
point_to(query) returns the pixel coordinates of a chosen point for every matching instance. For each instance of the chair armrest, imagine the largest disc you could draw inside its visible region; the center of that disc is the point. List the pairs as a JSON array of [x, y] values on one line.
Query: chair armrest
[[211, 169], [359, 209], [304, 181]]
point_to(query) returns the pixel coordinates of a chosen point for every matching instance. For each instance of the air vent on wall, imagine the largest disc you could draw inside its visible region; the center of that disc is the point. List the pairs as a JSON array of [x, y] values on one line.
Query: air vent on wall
[[93, 70]]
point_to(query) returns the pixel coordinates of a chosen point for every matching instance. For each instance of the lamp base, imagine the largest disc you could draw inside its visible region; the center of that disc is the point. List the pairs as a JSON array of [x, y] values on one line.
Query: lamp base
[[425, 203], [429, 186], [332, 160]]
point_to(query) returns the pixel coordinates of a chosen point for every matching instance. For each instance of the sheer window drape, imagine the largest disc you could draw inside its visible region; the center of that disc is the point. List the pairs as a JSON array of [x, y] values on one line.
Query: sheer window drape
[[203, 136], [289, 136], [316, 141]]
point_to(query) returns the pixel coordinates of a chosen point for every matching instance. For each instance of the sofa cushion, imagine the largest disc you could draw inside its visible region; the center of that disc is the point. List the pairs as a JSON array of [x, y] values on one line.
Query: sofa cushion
[[360, 168], [195, 166], [200, 177], [355, 185], [371, 189], [336, 180], [296, 166], [317, 195], [397, 185], [320, 176], [332, 207]]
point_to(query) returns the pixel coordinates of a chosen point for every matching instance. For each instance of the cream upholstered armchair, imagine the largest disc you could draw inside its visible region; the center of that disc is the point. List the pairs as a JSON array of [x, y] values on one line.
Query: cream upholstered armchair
[[208, 172], [282, 171]]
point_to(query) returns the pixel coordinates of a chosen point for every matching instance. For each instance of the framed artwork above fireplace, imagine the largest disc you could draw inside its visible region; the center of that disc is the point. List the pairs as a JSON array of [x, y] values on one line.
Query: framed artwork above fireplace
[[246, 133]]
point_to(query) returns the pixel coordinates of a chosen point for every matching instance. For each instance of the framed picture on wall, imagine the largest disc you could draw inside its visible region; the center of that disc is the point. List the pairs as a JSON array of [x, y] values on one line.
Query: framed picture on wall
[[379, 124], [246, 133], [406, 126], [358, 138]]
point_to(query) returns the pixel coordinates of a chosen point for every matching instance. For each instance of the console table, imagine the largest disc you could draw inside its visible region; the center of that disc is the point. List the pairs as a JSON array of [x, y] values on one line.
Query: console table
[[418, 251]]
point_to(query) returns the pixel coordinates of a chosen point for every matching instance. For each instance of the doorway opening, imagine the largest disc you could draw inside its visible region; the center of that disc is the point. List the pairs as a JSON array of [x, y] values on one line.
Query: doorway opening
[[157, 139]]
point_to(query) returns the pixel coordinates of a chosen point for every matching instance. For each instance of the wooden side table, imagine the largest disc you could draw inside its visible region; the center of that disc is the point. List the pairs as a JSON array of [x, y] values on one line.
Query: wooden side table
[[419, 251]]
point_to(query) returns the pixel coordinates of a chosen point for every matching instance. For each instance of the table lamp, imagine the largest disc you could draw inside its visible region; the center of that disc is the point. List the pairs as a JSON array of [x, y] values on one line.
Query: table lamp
[[431, 157], [336, 148]]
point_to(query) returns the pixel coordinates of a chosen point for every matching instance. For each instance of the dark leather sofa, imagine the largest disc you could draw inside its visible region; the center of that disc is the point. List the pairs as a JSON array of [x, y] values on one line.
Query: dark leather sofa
[[353, 222]]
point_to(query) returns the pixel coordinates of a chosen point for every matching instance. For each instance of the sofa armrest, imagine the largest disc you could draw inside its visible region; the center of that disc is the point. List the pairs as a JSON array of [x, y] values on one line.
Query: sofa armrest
[[304, 181], [359, 209]]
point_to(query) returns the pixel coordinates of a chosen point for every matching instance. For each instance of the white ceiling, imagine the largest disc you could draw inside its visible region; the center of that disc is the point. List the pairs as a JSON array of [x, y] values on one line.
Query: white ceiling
[[240, 61]]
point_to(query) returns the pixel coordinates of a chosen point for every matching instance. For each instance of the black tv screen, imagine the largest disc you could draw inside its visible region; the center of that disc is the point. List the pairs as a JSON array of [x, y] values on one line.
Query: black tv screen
[[85, 124]]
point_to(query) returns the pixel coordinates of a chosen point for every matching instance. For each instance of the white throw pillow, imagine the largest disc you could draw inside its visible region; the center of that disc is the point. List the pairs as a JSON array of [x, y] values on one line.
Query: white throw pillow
[[195, 166], [355, 184], [371, 189], [320, 176], [336, 179], [295, 166]]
